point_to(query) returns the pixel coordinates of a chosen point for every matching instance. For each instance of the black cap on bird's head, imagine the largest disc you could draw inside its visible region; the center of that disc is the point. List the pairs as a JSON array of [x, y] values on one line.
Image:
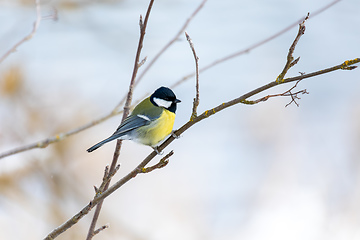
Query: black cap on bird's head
[[164, 97]]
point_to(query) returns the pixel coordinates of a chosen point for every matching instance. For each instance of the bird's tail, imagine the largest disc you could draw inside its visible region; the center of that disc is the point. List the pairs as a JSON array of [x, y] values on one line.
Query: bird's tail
[[96, 146]]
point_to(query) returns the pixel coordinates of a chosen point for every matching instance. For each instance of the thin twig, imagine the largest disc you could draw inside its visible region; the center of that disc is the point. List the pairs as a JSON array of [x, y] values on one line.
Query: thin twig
[[287, 93], [126, 112], [142, 62], [28, 37], [106, 179], [59, 137], [197, 96], [290, 62], [295, 96], [100, 229]]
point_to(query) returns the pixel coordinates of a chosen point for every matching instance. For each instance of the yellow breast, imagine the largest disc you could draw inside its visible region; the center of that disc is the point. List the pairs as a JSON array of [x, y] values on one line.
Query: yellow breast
[[155, 132]]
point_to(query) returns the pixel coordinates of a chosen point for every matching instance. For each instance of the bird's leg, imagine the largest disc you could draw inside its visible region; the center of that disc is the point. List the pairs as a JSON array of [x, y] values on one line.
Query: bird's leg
[[157, 151], [174, 135]]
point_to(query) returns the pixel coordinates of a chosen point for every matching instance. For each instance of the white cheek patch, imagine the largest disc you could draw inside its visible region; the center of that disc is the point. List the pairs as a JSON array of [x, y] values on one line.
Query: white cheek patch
[[162, 102]]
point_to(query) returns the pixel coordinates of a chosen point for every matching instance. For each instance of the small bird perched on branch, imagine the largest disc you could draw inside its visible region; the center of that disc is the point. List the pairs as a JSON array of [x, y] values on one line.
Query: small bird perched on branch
[[150, 121]]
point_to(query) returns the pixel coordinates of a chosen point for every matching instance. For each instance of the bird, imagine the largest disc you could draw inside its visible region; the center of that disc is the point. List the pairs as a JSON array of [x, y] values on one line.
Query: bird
[[150, 121]]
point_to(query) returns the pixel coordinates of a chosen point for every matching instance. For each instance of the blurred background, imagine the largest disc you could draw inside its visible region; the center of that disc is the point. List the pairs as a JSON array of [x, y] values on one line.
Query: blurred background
[[249, 172]]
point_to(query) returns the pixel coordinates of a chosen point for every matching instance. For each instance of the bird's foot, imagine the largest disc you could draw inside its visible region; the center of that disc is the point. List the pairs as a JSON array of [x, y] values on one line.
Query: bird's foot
[[174, 135], [157, 151]]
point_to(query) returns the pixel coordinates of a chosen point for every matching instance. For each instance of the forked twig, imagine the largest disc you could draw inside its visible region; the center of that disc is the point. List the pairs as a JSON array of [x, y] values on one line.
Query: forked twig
[[162, 163], [287, 93], [290, 59]]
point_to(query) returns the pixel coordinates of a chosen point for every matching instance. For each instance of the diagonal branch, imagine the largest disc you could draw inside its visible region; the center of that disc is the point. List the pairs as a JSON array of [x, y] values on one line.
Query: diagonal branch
[[28, 37], [57, 138]]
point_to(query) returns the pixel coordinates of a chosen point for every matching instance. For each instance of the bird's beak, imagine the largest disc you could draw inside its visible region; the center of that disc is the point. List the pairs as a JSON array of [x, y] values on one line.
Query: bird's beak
[[177, 101]]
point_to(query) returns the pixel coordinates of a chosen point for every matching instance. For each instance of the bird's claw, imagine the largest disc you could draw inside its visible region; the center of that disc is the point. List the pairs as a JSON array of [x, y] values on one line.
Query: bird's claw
[[157, 151], [174, 135]]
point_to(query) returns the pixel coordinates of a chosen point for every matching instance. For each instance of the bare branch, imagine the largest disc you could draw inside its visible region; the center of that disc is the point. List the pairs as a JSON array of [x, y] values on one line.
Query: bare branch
[[28, 37], [105, 184], [59, 137], [196, 99], [295, 96], [290, 59], [287, 93], [54, 15], [106, 179]]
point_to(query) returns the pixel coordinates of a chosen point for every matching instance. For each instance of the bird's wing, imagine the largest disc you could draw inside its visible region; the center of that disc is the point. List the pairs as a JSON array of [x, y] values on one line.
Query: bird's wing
[[132, 122]]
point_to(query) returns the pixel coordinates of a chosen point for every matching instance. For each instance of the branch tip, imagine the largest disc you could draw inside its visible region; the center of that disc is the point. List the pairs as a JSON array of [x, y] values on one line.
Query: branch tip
[[106, 172], [141, 21], [142, 62], [347, 64], [100, 229], [349, 68], [294, 62]]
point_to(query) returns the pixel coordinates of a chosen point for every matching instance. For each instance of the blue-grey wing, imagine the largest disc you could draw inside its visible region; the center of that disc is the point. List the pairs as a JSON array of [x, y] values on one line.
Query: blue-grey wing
[[130, 123]]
